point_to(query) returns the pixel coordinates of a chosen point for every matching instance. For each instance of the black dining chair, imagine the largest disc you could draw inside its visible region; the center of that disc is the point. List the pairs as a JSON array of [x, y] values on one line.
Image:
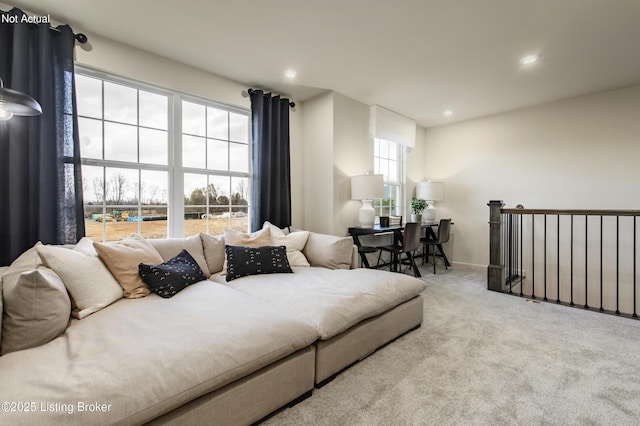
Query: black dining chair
[[444, 228], [410, 242]]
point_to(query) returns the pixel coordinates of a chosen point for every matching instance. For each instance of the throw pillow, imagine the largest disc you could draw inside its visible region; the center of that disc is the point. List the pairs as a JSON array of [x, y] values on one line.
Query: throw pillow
[[89, 282], [36, 308], [122, 259], [244, 261], [172, 276], [294, 241], [213, 246], [171, 247], [232, 237], [329, 251], [36, 304]]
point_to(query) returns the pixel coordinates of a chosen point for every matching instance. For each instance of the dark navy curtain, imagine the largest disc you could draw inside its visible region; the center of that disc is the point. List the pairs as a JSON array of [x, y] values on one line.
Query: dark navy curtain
[[271, 196], [40, 181]]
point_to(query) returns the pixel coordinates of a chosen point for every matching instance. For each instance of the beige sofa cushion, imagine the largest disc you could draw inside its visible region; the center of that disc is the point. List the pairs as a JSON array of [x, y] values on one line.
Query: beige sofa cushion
[[171, 247], [329, 251], [331, 300], [147, 356], [294, 241], [37, 308], [89, 282], [259, 238], [122, 259], [213, 246]]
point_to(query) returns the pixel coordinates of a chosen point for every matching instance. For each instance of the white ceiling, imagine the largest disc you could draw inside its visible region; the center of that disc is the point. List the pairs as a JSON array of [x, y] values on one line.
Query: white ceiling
[[416, 57]]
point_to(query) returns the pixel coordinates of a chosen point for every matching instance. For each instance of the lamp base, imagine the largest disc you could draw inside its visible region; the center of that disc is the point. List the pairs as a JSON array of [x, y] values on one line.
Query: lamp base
[[429, 214], [367, 214]]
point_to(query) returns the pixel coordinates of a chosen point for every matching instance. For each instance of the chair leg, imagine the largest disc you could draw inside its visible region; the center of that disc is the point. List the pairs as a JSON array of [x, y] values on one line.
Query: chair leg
[[435, 259], [379, 256], [416, 271]]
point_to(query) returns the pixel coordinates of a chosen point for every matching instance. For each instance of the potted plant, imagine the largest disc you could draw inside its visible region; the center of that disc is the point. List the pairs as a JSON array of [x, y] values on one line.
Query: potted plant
[[417, 207]]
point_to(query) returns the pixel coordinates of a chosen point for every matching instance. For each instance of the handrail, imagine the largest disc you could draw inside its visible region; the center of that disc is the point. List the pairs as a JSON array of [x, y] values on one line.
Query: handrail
[[578, 212], [567, 258]]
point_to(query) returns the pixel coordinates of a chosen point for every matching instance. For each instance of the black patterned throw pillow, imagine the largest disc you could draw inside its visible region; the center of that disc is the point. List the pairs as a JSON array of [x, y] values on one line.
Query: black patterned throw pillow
[[243, 261], [172, 276]]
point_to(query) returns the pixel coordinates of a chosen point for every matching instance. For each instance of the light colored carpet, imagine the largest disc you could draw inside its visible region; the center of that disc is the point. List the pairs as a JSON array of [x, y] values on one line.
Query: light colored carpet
[[485, 358]]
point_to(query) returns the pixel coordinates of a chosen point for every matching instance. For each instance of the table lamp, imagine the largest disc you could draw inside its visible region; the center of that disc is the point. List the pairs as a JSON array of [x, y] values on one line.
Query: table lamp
[[367, 188], [431, 192]]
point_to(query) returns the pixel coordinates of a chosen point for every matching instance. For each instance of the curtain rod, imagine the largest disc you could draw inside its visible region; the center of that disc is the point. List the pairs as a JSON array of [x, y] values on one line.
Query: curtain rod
[[291, 104], [80, 37]]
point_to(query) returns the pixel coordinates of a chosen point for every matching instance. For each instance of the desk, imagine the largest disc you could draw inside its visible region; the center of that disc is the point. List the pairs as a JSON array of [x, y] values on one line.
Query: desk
[[356, 231]]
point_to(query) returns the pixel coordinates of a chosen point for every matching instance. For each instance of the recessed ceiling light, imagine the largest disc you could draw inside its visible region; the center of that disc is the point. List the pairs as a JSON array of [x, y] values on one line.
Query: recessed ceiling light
[[448, 113], [290, 74], [529, 59]]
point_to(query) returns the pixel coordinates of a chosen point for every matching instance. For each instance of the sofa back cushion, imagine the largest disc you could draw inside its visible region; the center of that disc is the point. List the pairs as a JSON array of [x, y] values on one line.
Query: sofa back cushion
[[89, 282], [35, 305], [213, 246], [171, 247], [122, 259], [329, 251]]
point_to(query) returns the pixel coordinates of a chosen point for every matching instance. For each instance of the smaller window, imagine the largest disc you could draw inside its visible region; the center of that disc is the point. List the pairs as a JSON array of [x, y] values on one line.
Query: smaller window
[[388, 162]]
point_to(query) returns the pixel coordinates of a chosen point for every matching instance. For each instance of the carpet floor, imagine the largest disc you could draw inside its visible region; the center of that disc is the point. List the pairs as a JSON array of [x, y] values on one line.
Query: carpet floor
[[485, 358]]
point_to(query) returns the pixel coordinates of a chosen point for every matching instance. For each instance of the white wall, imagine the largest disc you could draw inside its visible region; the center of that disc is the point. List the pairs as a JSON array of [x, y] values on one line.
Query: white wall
[[123, 60], [352, 155], [415, 166], [317, 133], [578, 153]]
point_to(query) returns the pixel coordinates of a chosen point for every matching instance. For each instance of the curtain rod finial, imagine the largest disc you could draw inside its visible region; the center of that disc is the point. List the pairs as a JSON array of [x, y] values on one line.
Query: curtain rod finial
[[82, 38]]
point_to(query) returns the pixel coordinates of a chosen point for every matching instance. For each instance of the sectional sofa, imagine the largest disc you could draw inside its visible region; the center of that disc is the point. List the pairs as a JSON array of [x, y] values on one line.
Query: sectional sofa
[[222, 350]]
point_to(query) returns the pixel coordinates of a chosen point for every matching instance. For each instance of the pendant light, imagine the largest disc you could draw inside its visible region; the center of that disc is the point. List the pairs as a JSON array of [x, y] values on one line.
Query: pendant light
[[13, 103]]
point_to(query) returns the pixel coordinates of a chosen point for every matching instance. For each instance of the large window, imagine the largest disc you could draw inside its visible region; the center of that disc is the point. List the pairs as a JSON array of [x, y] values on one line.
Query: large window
[[388, 157], [141, 144], [215, 157]]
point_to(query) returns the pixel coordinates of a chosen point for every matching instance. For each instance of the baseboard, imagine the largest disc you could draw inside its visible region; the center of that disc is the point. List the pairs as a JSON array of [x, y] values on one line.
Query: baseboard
[[473, 266]]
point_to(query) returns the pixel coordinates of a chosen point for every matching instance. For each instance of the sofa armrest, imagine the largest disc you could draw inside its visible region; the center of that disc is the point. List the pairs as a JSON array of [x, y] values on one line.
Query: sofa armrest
[[3, 269]]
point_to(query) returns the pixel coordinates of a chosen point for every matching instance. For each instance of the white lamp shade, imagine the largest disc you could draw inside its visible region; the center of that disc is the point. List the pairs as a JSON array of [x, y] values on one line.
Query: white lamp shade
[[367, 187], [430, 191]]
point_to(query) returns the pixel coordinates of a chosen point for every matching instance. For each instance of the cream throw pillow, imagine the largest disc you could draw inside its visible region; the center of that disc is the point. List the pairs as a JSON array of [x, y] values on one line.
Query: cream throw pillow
[[36, 308], [213, 246], [171, 247], [294, 241], [36, 304], [89, 282], [329, 251], [232, 237], [122, 259]]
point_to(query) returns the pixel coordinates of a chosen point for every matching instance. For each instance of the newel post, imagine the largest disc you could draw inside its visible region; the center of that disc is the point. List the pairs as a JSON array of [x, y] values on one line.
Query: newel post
[[495, 270]]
